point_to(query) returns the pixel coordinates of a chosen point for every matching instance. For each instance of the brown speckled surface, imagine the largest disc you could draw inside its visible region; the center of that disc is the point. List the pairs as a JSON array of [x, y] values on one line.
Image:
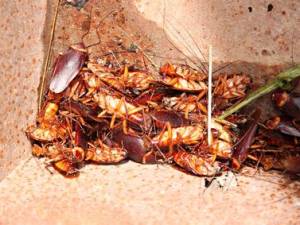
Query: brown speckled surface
[[21, 58], [131, 193]]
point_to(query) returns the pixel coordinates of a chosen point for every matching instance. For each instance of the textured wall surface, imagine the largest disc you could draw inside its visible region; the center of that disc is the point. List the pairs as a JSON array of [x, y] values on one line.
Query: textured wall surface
[[248, 30], [21, 59]]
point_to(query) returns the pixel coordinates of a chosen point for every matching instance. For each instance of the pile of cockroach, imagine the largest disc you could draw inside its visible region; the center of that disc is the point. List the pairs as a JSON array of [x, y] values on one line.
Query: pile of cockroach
[[101, 114]]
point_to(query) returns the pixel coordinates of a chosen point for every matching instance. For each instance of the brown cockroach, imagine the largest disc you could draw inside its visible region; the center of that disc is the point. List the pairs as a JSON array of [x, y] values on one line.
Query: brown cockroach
[[181, 135], [48, 128], [118, 107], [222, 142], [182, 79], [103, 154], [137, 80], [81, 109], [186, 104], [183, 71], [196, 164], [69, 64], [181, 84], [153, 95], [285, 127], [288, 103], [67, 67], [139, 148], [162, 117], [65, 160], [240, 150], [96, 79], [231, 87]]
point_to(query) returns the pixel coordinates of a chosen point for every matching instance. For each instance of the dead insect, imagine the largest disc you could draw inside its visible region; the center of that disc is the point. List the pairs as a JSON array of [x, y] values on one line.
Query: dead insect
[[182, 79], [162, 117], [48, 128], [195, 164], [183, 71], [222, 143], [69, 64], [152, 96], [117, 107], [139, 148], [288, 103], [231, 87], [67, 67], [135, 80], [65, 160], [103, 154], [240, 150], [285, 127], [180, 135], [186, 104]]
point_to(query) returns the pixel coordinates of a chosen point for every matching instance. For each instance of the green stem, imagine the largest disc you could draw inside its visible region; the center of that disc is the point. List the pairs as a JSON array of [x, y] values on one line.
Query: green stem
[[280, 81]]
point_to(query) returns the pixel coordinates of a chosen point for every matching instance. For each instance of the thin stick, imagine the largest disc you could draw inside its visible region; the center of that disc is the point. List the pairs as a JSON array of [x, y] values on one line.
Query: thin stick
[[48, 56], [209, 104], [280, 81]]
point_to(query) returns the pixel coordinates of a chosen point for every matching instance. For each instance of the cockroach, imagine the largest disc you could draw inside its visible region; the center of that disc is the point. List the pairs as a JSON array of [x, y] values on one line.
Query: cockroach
[[240, 150], [117, 107], [285, 127], [196, 164], [182, 79], [64, 160], [77, 89], [162, 117], [81, 110], [48, 128], [69, 64], [183, 71], [103, 154], [139, 148], [96, 79], [287, 103], [181, 135], [231, 87], [67, 67], [186, 104], [46, 134], [182, 84], [136, 80], [152, 96], [80, 140]]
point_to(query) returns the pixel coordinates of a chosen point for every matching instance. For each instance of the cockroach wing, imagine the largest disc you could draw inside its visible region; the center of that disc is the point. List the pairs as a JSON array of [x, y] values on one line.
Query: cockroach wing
[[67, 68]]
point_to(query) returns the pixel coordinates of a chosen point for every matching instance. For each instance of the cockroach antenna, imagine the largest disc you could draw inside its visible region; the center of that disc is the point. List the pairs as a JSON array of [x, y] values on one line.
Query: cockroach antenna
[[102, 19]]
